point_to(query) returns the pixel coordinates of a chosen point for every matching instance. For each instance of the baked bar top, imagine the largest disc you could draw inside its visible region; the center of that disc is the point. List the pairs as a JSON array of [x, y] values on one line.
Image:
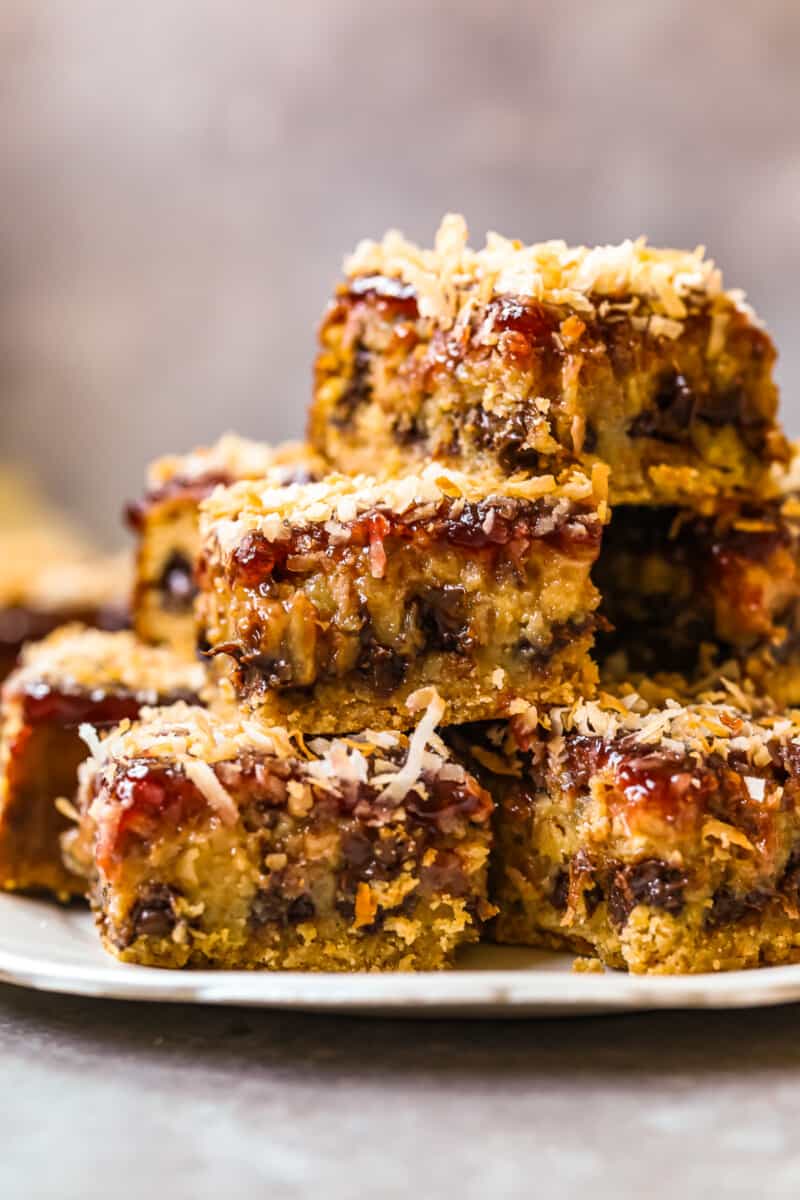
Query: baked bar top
[[662, 835], [231, 457], [378, 768], [76, 659], [277, 513], [42, 573], [338, 601], [449, 279], [190, 477], [213, 840], [186, 734], [728, 726], [525, 357]]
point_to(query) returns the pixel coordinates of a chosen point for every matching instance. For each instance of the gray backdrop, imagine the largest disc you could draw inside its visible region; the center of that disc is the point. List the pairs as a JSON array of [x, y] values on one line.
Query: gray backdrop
[[179, 180]]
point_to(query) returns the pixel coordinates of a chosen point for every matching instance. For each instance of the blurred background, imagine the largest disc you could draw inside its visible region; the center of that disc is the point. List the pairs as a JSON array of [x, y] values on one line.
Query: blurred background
[[181, 178]]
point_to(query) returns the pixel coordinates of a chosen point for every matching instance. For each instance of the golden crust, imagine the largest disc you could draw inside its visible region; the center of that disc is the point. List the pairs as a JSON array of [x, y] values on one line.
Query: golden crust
[[229, 513], [43, 573], [668, 283], [728, 723], [78, 658], [238, 457], [248, 847]]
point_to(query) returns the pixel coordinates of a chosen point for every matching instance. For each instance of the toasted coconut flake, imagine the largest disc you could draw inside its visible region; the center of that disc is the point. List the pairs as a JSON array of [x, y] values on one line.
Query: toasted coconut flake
[[668, 282], [410, 772], [90, 736], [205, 780], [75, 657], [338, 500], [235, 456]]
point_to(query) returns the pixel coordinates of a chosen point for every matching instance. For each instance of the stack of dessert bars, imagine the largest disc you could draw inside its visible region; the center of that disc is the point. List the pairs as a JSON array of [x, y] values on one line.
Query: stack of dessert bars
[[508, 650]]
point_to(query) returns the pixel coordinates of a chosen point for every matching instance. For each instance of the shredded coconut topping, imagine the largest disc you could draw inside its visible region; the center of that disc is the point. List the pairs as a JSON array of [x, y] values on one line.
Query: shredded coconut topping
[[452, 275], [76, 658], [714, 725], [231, 455], [40, 571], [204, 779], [229, 513], [402, 782], [199, 740]]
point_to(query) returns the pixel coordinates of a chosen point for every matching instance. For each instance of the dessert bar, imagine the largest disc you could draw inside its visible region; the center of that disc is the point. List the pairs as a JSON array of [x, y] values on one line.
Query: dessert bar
[[683, 589], [49, 572], [75, 675], [213, 840], [663, 838], [44, 584], [335, 602], [532, 357], [165, 522]]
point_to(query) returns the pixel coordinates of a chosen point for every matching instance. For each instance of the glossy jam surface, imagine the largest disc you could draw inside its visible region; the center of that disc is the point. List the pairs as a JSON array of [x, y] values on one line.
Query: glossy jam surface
[[474, 527]]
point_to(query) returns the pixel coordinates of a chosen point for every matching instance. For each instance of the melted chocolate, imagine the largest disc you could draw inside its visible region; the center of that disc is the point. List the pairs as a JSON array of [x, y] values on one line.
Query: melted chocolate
[[153, 914], [650, 882]]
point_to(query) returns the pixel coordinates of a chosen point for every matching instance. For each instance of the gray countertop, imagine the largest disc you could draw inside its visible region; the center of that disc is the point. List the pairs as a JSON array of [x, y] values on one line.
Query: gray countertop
[[122, 1100]]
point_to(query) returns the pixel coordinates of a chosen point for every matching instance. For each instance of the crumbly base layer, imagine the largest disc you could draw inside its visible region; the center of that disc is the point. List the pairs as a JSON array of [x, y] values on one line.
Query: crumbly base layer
[[349, 705], [425, 941], [660, 943]]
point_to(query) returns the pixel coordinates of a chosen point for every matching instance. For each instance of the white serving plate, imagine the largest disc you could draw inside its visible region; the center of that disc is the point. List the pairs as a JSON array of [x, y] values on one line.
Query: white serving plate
[[56, 950]]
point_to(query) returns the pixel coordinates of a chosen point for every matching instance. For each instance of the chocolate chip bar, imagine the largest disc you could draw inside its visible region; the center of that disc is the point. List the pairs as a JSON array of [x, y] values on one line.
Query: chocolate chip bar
[[74, 676], [50, 573], [214, 841], [166, 524], [684, 590], [663, 838], [532, 357], [45, 584], [335, 602]]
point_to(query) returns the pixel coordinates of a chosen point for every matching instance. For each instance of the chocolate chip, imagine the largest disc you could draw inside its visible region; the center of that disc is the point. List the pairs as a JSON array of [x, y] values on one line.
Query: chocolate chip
[[356, 849], [589, 439], [153, 914], [444, 618], [670, 413], [651, 882], [727, 907], [592, 899], [270, 906], [267, 906], [723, 408], [559, 892], [357, 392], [301, 909], [383, 669], [408, 430]]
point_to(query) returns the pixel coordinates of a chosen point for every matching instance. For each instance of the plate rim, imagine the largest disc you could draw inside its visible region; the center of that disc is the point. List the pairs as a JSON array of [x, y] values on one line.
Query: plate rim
[[468, 991]]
